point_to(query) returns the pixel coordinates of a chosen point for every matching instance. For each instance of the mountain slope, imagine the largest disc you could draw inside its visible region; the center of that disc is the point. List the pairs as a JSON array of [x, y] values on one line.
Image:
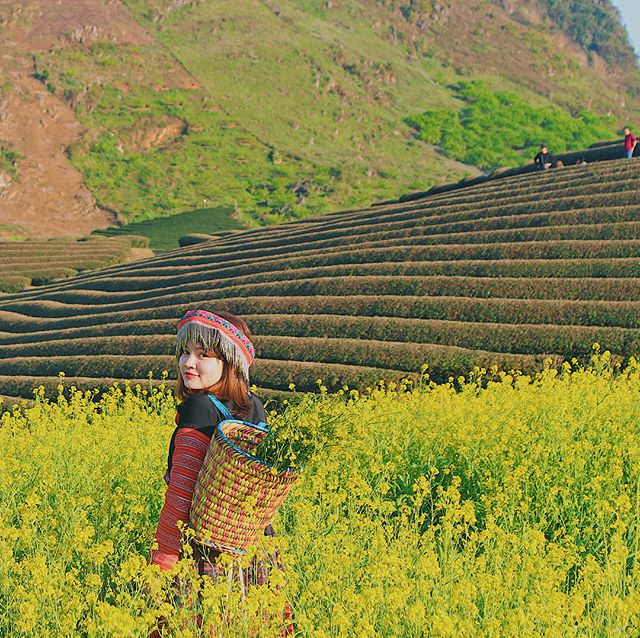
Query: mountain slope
[[276, 109]]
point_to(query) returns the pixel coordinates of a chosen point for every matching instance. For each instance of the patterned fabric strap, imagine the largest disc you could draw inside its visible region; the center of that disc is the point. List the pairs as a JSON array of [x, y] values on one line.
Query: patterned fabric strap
[[210, 320], [190, 449]]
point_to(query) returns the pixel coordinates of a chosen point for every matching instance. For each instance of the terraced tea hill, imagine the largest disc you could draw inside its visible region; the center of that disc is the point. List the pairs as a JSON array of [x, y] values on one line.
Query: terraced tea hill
[[506, 272], [36, 262]]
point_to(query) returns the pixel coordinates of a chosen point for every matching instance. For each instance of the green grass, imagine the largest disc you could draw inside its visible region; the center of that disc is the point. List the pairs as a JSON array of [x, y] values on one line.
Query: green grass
[[153, 153], [164, 232], [498, 128], [209, 155], [9, 162]]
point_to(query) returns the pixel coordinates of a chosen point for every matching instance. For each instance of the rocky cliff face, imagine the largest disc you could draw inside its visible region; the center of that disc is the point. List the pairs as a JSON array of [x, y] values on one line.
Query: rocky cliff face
[[46, 196], [323, 86]]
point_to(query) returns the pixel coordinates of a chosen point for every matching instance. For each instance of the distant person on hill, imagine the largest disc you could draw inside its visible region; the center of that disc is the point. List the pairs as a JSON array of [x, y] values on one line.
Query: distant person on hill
[[543, 159], [630, 143]]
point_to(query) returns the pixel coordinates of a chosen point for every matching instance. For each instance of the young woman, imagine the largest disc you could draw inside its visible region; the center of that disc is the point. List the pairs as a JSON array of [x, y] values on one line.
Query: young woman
[[213, 352]]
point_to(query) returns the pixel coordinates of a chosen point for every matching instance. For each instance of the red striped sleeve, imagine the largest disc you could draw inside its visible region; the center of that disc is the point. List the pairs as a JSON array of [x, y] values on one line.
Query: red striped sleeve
[[190, 449]]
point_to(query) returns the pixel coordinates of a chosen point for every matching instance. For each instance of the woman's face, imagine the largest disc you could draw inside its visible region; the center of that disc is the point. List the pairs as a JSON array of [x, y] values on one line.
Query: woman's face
[[199, 369]]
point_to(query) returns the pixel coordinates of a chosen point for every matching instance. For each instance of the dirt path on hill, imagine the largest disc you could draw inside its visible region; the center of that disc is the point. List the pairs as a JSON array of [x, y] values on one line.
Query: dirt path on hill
[[49, 199]]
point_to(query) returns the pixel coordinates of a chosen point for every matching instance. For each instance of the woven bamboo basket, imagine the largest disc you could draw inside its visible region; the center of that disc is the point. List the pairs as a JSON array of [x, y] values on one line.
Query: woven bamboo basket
[[237, 494]]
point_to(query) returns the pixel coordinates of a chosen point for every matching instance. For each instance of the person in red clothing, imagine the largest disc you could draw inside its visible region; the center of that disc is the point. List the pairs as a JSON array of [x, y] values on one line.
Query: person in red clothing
[[213, 353], [630, 143]]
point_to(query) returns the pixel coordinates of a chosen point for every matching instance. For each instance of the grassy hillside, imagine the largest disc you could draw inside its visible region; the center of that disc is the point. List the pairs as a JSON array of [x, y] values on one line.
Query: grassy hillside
[[490, 129], [317, 116], [508, 272]]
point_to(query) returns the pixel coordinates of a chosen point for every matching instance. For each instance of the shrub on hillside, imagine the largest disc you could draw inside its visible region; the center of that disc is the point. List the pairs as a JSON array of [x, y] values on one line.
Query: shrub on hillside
[[98, 366], [10, 283], [9, 159], [138, 241], [40, 278], [194, 238], [595, 26]]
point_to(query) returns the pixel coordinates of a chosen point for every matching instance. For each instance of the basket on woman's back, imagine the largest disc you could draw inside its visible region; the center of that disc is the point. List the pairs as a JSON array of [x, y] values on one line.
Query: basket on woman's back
[[237, 494]]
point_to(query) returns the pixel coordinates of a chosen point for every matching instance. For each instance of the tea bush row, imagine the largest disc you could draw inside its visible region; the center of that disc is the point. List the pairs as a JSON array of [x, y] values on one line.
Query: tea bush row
[[20, 334], [16, 374], [339, 281], [170, 262], [511, 204], [509, 311], [43, 259], [622, 289], [450, 234], [113, 290], [420, 215], [414, 338], [449, 222], [544, 192], [29, 249], [19, 388], [130, 286], [443, 360], [299, 237], [424, 235], [522, 190], [361, 340], [406, 340], [407, 250], [39, 262], [515, 311], [375, 253], [274, 243], [489, 287], [534, 181], [381, 343]]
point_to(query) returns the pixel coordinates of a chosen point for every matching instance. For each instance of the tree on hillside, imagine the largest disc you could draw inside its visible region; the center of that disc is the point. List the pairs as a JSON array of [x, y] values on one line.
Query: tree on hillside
[[596, 26]]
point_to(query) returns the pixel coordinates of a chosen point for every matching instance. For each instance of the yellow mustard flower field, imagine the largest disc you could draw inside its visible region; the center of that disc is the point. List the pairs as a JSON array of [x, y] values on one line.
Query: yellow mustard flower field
[[494, 505]]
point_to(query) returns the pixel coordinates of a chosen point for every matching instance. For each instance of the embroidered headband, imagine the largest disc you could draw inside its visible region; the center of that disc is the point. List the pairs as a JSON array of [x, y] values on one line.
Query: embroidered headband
[[217, 334]]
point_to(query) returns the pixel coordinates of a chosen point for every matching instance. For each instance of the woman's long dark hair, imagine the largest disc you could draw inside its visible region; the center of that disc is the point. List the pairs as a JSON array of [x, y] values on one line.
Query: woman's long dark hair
[[232, 386]]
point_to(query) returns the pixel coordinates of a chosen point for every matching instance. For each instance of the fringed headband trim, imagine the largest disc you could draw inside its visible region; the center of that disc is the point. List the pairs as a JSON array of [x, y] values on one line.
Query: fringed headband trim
[[210, 320]]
